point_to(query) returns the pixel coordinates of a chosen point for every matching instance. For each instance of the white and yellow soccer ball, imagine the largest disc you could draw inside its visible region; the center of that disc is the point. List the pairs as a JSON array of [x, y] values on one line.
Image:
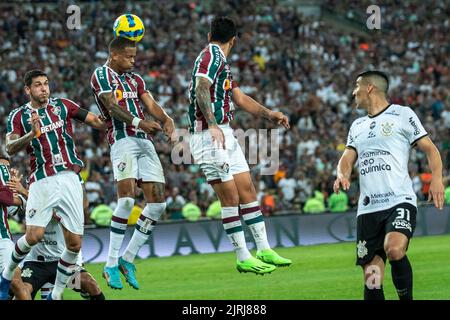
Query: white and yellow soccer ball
[[129, 26]]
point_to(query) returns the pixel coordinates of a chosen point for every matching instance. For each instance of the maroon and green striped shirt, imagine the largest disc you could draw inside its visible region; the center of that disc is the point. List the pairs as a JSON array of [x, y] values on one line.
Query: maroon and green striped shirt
[[4, 227], [212, 65], [127, 87], [54, 150]]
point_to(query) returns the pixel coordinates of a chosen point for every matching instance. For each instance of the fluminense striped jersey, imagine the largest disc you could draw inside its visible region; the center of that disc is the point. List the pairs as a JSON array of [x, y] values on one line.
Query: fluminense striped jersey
[[54, 150], [4, 227], [212, 64], [127, 87]]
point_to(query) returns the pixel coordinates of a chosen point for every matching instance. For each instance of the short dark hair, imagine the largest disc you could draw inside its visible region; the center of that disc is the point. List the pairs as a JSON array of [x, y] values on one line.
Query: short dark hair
[[376, 74], [120, 43], [30, 75], [222, 29]]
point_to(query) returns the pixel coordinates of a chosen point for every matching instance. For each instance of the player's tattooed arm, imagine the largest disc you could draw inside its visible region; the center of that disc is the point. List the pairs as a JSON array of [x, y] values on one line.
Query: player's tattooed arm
[[159, 114], [248, 104], [204, 99], [116, 111], [95, 121], [204, 102], [15, 142]]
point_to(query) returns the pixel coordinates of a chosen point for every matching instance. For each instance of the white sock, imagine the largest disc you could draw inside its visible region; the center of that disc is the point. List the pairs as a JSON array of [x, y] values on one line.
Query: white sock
[[118, 227], [254, 219], [66, 269], [233, 227], [144, 227], [19, 253]]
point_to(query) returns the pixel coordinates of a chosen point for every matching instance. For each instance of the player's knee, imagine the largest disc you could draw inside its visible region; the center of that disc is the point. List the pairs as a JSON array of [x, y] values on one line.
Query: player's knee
[[229, 200], [34, 237], [394, 252], [73, 245]]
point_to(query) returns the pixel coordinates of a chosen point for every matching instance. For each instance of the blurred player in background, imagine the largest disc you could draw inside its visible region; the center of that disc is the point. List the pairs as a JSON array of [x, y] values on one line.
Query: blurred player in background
[[118, 92], [387, 208], [212, 94]]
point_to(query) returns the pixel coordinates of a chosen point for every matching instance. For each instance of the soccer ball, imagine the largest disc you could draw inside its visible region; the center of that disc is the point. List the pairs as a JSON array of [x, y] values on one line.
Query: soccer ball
[[129, 26]]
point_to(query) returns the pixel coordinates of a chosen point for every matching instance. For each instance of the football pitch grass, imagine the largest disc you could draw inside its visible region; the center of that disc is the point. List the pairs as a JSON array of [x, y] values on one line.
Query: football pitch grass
[[319, 272]]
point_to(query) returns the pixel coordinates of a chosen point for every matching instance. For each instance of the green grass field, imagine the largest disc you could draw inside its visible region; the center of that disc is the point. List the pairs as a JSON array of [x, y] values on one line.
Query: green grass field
[[318, 272]]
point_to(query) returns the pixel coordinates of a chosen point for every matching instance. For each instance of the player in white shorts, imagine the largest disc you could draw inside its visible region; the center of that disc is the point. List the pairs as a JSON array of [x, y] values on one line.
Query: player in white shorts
[[381, 142], [213, 93], [119, 93], [43, 127]]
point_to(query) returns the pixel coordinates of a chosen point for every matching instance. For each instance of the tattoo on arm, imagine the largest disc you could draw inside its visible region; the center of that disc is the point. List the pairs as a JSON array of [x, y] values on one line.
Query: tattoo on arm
[[264, 112], [204, 99], [116, 111], [15, 143]]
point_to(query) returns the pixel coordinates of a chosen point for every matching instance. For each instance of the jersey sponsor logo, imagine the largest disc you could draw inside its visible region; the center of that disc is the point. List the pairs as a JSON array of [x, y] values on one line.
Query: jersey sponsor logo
[[26, 273], [370, 154], [362, 249], [378, 198], [414, 125], [375, 168], [56, 110], [366, 201], [402, 224], [120, 95], [227, 85], [372, 125], [387, 128], [49, 242], [393, 113], [371, 135], [52, 126]]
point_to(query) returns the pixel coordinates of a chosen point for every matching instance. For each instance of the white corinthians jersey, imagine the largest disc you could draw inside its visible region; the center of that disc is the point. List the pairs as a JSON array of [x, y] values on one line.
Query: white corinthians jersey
[[383, 143], [51, 247]]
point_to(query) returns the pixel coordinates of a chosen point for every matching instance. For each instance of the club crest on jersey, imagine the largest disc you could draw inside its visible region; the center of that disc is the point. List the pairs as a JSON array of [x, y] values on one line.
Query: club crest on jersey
[[225, 167], [31, 213], [121, 166], [56, 110], [133, 82], [362, 250], [387, 128], [27, 273]]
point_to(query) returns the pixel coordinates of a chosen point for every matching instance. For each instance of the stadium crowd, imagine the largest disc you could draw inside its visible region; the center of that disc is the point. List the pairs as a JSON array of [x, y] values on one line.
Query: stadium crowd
[[303, 66]]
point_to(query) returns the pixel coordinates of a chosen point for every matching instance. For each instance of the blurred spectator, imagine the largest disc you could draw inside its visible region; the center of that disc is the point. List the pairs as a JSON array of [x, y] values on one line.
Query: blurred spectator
[[338, 202], [315, 204], [175, 203], [214, 210], [102, 215]]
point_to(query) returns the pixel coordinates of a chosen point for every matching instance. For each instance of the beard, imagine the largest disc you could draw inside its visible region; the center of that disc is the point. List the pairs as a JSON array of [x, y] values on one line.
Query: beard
[[40, 98]]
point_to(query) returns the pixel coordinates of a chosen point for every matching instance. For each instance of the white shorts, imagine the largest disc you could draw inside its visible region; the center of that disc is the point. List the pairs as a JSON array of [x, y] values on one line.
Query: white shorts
[[62, 192], [6, 248], [218, 164], [137, 159]]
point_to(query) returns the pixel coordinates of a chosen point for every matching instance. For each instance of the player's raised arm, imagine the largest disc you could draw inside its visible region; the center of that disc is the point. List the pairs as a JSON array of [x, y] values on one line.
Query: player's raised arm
[[16, 142], [160, 114], [436, 191], [344, 170], [248, 104], [203, 98]]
